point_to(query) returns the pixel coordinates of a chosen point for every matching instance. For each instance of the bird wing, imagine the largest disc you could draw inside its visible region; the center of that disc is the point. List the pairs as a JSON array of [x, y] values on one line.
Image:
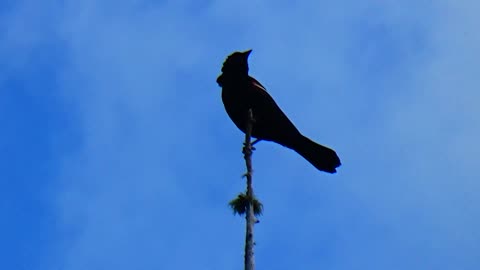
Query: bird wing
[[272, 123], [258, 84]]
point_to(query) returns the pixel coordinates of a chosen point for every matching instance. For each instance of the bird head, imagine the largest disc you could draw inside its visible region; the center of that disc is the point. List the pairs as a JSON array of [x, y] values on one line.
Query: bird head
[[237, 62]]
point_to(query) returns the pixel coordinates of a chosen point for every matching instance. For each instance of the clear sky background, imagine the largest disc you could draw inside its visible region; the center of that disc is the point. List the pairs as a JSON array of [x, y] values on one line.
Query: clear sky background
[[116, 152]]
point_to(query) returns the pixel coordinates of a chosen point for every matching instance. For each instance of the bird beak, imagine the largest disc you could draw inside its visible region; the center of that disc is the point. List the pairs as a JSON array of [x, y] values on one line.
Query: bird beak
[[247, 52]]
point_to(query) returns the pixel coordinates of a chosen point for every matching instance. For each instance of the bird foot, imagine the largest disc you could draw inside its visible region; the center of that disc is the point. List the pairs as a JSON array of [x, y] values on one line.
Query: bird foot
[[249, 150], [247, 174]]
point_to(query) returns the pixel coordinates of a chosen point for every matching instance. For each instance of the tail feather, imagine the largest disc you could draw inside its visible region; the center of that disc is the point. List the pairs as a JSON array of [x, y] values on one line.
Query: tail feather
[[321, 157]]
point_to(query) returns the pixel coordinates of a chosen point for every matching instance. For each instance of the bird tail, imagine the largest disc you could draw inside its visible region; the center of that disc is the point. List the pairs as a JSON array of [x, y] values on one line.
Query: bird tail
[[321, 157]]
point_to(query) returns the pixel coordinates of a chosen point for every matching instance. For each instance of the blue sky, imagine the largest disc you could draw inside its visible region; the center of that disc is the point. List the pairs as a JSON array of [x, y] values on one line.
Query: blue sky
[[116, 152]]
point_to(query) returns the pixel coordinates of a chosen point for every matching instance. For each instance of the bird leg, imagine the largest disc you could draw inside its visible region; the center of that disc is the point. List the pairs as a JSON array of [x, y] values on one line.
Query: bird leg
[[255, 141]]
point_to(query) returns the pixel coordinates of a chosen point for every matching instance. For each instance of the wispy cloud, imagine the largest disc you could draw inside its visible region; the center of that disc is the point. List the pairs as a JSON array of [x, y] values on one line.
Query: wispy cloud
[[154, 159]]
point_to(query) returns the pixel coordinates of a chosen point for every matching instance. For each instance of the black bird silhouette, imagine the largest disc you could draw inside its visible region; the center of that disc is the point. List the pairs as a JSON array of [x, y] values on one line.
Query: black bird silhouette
[[240, 92]]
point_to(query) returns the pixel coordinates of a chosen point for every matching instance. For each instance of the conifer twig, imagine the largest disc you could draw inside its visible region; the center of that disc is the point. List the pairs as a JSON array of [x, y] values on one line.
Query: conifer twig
[[246, 203], [250, 217]]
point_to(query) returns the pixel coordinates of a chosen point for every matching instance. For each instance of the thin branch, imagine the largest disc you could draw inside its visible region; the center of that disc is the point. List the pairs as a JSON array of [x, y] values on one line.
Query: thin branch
[[250, 216]]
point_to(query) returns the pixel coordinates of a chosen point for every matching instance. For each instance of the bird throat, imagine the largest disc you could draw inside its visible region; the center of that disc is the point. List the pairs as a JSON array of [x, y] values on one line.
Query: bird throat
[[231, 77]]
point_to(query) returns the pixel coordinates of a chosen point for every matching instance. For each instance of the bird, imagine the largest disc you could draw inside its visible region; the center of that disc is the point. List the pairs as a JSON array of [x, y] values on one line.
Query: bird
[[241, 93]]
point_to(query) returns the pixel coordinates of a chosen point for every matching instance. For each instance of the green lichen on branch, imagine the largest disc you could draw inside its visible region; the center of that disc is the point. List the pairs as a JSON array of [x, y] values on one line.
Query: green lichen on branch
[[239, 205]]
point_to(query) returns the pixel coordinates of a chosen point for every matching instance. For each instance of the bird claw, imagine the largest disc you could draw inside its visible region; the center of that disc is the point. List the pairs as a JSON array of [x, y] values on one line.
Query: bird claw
[[251, 145], [246, 174], [247, 149]]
